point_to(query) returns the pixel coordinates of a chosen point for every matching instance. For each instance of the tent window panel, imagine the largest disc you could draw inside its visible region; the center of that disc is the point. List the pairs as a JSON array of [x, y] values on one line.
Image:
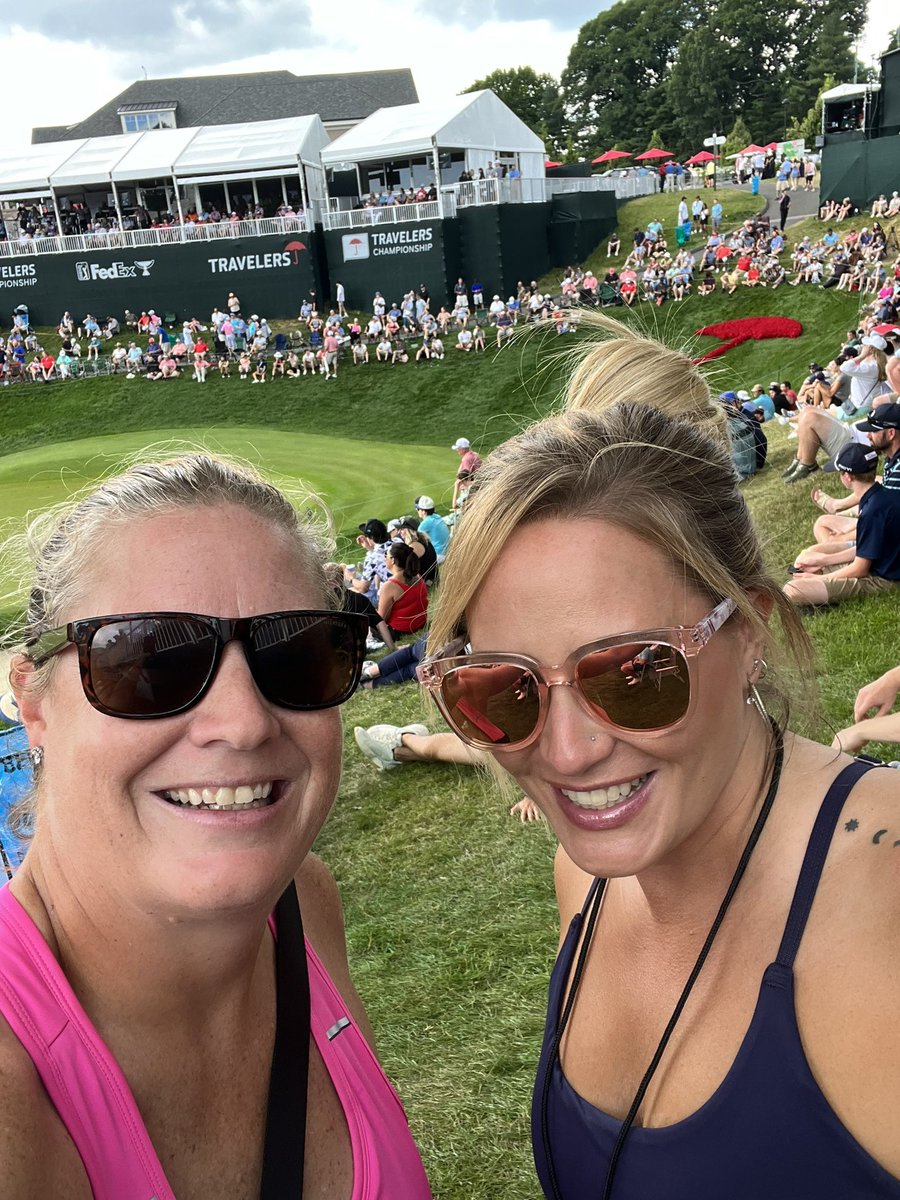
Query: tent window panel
[[141, 122]]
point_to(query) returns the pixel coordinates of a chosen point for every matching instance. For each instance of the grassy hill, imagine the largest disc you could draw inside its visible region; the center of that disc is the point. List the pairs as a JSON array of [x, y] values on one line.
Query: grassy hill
[[449, 903]]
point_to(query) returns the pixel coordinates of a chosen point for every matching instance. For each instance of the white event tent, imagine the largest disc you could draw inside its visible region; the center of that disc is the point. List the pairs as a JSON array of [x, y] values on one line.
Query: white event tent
[[289, 146], [478, 124]]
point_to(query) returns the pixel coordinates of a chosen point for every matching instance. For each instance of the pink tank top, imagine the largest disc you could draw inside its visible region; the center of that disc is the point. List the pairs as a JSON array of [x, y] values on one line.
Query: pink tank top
[[94, 1101]]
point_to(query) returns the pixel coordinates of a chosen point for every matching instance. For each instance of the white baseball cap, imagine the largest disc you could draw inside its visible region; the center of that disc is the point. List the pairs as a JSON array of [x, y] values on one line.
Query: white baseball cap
[[461, 444], [425, 502], [875, 340]]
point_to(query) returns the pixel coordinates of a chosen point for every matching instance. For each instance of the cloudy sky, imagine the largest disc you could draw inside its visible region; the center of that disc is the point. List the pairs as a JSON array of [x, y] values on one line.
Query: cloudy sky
[[71, 59]]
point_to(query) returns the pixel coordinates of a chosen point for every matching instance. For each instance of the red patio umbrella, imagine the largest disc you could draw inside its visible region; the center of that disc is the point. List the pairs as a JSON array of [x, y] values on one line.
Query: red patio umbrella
[[703, 157], [753, 149], [549, 163], [609, 155], [652, 154]]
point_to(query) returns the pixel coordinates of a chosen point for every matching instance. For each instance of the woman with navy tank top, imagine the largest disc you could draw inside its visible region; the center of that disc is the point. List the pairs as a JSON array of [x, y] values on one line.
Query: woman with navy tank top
[[723, 1009]]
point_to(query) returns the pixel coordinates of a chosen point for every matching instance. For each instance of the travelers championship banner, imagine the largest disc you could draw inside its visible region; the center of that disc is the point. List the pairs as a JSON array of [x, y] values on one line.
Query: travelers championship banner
[[271, 276], [390, 260]]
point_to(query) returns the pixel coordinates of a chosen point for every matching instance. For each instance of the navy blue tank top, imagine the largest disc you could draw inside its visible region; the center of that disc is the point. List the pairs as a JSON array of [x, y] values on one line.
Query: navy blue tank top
[[766, 1133]]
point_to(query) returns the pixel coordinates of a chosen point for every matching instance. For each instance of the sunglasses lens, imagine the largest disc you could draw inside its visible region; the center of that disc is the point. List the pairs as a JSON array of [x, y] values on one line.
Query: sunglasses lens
[[150, 666], [640, 686], [307, 660], [494, 704]]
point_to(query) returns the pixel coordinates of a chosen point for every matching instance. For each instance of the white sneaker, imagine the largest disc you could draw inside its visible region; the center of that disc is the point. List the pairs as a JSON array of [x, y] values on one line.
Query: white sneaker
[[372, 643], [379, 742]]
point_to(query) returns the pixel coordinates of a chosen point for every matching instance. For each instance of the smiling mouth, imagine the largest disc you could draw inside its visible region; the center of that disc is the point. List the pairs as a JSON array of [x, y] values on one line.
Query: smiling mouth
[[605, 797], [223, 799]]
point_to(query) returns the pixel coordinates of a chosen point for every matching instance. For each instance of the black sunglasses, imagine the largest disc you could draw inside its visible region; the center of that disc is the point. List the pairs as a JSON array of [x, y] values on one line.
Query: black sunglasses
[[142, 666]]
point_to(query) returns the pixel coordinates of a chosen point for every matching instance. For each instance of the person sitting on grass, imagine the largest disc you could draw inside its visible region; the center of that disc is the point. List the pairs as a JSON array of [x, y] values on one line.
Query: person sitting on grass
[[882, 725], [408, 529], [309, 365], [224, 367], [614, 245], [389, 746], [398, 352], [339, 577], [244, 365], [464, 340], [875, 566], [278, 364], [259, 371], [359, 354], [403, 597], [818, 430], [201, 366], [375, 540]]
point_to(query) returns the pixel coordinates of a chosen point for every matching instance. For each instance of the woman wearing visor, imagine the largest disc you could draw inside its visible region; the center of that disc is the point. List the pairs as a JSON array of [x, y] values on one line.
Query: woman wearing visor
[[165, 1030], [722, 1013]]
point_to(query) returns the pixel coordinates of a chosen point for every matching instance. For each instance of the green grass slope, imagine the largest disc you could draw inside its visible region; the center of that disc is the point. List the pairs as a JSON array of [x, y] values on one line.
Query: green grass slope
[[449, 903]]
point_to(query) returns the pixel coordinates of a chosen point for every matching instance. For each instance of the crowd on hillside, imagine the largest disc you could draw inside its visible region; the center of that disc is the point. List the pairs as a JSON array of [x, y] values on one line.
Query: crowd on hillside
[[753, 255], [395, 332]]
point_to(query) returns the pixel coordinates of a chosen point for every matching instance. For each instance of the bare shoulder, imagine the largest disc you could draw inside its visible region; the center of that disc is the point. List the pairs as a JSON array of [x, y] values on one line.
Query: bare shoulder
[[572, 887], [37, 1157], [323, 924]]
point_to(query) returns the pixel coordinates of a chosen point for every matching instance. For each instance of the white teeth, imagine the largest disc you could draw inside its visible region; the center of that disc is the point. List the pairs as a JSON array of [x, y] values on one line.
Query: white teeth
[[242, 797], [604, 797]]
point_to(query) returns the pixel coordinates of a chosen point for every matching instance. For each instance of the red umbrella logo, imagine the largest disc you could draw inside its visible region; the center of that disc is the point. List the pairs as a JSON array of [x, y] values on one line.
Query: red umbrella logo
[[295, 248], [355, 243]]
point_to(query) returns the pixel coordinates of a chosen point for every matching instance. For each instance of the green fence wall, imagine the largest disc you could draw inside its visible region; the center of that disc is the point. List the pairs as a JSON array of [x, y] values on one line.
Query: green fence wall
[[389, 259], [270, 275], [578, 222], [861, 170]]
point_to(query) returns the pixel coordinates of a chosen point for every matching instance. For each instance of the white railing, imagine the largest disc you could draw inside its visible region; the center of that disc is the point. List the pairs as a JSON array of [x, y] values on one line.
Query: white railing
[[497, 191], [386, 214], [118, 239], [625, 188]]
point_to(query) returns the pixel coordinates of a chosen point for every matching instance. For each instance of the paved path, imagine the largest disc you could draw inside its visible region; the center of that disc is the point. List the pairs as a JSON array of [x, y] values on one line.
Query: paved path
[[803, 204]]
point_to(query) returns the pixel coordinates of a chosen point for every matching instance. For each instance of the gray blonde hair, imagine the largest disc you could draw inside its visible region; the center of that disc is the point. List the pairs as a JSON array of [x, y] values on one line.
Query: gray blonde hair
[[58, 546], [641, 444]]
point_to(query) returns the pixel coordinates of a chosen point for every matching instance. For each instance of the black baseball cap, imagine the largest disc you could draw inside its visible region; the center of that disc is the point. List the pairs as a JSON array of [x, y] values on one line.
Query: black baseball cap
[[376, 530], [886, 416], [855, 459]]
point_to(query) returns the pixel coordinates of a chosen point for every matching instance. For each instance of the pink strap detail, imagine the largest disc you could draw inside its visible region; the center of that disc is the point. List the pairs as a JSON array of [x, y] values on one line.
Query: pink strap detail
[[82, 1078]]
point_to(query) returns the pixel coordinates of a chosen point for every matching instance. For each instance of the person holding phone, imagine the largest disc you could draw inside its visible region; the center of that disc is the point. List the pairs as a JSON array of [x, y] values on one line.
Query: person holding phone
[[727, 889], [168, 1024]]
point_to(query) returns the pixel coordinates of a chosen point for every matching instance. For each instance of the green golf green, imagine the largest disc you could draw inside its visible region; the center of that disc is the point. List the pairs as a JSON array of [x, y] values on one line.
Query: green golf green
[[355, 479]]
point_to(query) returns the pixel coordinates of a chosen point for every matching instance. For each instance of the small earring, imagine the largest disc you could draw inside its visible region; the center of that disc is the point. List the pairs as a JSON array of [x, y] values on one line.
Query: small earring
[[760, 669], [36, 754], [755, 699], [593, 738]]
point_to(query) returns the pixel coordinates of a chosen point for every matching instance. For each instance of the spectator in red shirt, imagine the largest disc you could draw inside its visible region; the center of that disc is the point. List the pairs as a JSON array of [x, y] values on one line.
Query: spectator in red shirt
[[48, 362]]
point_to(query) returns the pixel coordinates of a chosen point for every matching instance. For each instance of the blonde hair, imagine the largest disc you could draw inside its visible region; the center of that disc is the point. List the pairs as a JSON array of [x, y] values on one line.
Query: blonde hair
[[641, 444]]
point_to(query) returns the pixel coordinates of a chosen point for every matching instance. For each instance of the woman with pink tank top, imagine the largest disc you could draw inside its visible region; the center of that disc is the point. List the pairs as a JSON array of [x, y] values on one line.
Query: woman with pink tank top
[[168, 1025]]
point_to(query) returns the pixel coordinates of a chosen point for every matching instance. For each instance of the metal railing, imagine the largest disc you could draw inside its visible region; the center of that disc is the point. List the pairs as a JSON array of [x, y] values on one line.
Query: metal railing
[[166, 235], [384, 214]]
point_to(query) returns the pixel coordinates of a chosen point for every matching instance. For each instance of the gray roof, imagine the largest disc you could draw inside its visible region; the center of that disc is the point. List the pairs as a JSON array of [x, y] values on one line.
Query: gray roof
[[256, 96]]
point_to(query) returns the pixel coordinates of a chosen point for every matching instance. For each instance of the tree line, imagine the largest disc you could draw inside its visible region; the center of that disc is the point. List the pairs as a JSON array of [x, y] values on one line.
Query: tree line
[[673, 72]]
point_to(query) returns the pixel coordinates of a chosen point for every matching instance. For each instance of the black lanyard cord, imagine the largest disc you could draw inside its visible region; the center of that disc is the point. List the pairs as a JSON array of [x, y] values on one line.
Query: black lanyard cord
[[639, 1095]]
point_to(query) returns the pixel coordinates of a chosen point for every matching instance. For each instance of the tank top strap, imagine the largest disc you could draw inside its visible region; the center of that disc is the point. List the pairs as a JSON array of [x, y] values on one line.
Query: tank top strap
[[814, 859]]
